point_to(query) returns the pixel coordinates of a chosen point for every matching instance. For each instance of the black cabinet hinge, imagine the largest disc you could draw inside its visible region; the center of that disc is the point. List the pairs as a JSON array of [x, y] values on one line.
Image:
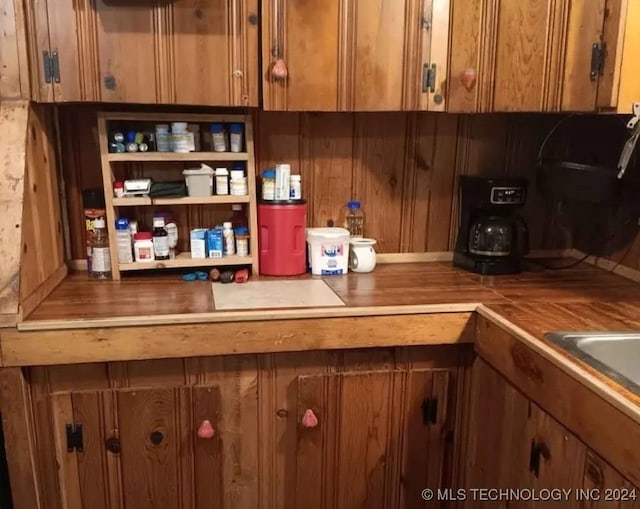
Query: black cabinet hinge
[[74, 437], [429, 78], [51, 66], [430, 411], [598, 56]]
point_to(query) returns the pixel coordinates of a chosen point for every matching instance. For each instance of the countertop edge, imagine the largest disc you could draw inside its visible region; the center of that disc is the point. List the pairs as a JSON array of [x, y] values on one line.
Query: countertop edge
[[244, 316], [566, 364]]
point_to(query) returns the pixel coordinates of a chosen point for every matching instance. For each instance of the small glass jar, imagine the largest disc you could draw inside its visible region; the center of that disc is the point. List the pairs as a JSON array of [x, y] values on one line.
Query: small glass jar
[[269, 185], [242, 241]]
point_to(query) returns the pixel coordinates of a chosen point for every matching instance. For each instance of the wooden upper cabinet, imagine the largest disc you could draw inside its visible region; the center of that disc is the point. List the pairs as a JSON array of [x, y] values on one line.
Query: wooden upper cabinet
[[535, 55], [355, 56], [187, 52]]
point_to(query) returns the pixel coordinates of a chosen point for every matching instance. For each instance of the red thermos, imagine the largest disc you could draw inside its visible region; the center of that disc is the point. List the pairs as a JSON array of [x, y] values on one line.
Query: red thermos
[[282, 239]]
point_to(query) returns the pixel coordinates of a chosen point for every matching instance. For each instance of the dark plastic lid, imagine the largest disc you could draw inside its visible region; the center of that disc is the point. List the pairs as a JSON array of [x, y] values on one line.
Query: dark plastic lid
[[122, 223], [242, 230], [93, 199], [353, 204], [236, 128], [269, 174], [216, 128], [238, 166]]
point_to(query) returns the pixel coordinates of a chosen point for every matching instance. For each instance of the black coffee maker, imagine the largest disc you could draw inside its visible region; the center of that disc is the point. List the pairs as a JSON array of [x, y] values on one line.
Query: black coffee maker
[[492, 238]]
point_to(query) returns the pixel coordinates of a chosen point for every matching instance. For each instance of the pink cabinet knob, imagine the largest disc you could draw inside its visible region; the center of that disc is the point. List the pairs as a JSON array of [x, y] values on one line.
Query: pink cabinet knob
[[205, 430], [279, 70], [468, 78], [309, 419]]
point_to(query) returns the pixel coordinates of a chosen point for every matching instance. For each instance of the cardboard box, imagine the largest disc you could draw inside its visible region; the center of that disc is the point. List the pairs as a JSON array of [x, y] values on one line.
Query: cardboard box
[[198, 243]]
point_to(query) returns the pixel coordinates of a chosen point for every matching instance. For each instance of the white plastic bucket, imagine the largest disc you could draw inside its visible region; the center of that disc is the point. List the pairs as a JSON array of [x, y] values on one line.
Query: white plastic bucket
[[199, 181], [328, 250]]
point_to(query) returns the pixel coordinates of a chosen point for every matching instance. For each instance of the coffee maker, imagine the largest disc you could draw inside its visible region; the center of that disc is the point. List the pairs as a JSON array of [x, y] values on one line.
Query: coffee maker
[[492, 238]]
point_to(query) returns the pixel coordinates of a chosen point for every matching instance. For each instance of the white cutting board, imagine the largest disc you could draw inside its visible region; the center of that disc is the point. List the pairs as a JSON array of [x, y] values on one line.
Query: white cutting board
[[274, 294]]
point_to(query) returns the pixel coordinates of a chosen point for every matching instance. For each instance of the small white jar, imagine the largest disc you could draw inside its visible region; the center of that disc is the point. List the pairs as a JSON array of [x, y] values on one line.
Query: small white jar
[[222, 181], [239, 186], [362, 256]]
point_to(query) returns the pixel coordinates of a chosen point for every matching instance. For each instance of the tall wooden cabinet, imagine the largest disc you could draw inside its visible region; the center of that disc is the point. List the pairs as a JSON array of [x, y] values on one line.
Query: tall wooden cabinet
[[538, 55], [187, 52], [355, 56]]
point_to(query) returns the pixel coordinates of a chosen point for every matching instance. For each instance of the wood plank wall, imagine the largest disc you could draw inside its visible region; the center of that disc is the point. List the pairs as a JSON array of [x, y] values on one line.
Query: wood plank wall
[[403, 167]]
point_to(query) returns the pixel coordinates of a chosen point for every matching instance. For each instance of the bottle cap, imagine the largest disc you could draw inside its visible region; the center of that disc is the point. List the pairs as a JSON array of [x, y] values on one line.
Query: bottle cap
[[238, 166], [98, 223], [353, 204], [162, 127], [295, 178], [269, 174], [236, 206], [118, 185], [222, 172], [158, 222], [216, 128], [236, 128], [226, 225], [122, 223], [242, 230], [179, 127], [143, 236]]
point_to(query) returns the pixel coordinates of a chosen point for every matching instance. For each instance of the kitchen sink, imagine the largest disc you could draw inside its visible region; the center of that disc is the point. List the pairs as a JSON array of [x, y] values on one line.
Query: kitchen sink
[[614, 354]]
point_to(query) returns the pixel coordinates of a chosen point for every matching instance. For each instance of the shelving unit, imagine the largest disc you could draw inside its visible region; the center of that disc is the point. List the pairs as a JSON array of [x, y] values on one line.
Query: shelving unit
[[139, 159]]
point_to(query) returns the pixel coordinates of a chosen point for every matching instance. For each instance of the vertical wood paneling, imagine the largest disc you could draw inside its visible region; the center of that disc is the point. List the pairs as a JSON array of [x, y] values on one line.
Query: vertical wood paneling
[[149, 470], [14, 80], [379, 152]]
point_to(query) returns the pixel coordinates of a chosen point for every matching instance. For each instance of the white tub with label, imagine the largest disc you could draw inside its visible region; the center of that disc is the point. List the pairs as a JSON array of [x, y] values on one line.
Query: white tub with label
[[328, 251]]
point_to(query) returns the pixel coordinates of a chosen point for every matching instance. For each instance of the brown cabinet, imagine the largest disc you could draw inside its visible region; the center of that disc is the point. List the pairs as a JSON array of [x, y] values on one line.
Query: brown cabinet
[[512, 443], [355, 56], [188, 52], [536, 55]]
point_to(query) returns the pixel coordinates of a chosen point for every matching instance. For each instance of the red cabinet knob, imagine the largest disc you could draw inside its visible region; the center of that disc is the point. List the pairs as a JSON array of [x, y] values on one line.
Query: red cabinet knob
[[309, 419], [205, 430]]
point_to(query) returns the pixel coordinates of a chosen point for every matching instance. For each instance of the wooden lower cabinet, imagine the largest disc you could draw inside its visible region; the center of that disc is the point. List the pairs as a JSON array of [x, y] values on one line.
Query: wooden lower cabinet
[[513, 444], [121, 435]]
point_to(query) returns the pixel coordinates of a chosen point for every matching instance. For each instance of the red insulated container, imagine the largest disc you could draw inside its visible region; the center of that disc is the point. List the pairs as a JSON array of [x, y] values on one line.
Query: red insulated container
[[282, 239]]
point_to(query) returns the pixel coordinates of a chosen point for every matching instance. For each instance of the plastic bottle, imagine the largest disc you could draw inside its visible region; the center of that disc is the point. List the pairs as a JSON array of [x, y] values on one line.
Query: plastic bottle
[[100, 255], [160, 240], [238, 218], [163, 138], [123, 239], [295, 188], [229, 244], [182, 140], [354, 219], [236, 135], [218, 137]]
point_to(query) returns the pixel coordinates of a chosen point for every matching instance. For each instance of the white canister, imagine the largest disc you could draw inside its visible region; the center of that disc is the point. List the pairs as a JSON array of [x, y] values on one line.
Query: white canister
[[362, 256], [328, 250], [222, 181]]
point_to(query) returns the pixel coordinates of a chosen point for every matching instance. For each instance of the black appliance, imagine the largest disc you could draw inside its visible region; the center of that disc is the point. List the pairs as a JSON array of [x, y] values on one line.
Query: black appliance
[[492, 238]]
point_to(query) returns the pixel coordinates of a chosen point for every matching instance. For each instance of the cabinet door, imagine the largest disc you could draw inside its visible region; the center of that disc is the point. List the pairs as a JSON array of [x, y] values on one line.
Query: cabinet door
[[604, 488], [524, 55], [188, 52], [355, 56], [379, 441], [139, 448], [514, 444]]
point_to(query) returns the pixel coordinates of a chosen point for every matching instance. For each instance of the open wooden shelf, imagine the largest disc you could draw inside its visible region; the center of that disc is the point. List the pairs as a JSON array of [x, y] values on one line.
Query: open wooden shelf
[[145, 201], [132, 157], [184, 260]]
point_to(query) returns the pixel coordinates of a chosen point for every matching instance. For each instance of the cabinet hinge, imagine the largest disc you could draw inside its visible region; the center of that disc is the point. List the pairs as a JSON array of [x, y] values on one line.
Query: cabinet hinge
[[74, 437], [598, 55], [429, 78], [51, 66], [430, 411]]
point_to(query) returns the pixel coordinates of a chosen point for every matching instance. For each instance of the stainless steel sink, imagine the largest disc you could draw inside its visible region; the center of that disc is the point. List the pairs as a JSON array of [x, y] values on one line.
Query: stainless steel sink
[[615, 354]]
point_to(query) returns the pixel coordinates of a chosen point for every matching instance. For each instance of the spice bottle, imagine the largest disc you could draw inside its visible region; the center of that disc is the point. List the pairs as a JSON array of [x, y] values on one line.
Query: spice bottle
[[100, 255], [354, 219], [229, 241], [295, 188], [93, 202], [143, 247], [160, 239], [242, 241]]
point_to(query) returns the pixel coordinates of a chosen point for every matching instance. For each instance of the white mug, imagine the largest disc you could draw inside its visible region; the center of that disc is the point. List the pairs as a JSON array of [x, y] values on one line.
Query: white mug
[[362, 256]]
